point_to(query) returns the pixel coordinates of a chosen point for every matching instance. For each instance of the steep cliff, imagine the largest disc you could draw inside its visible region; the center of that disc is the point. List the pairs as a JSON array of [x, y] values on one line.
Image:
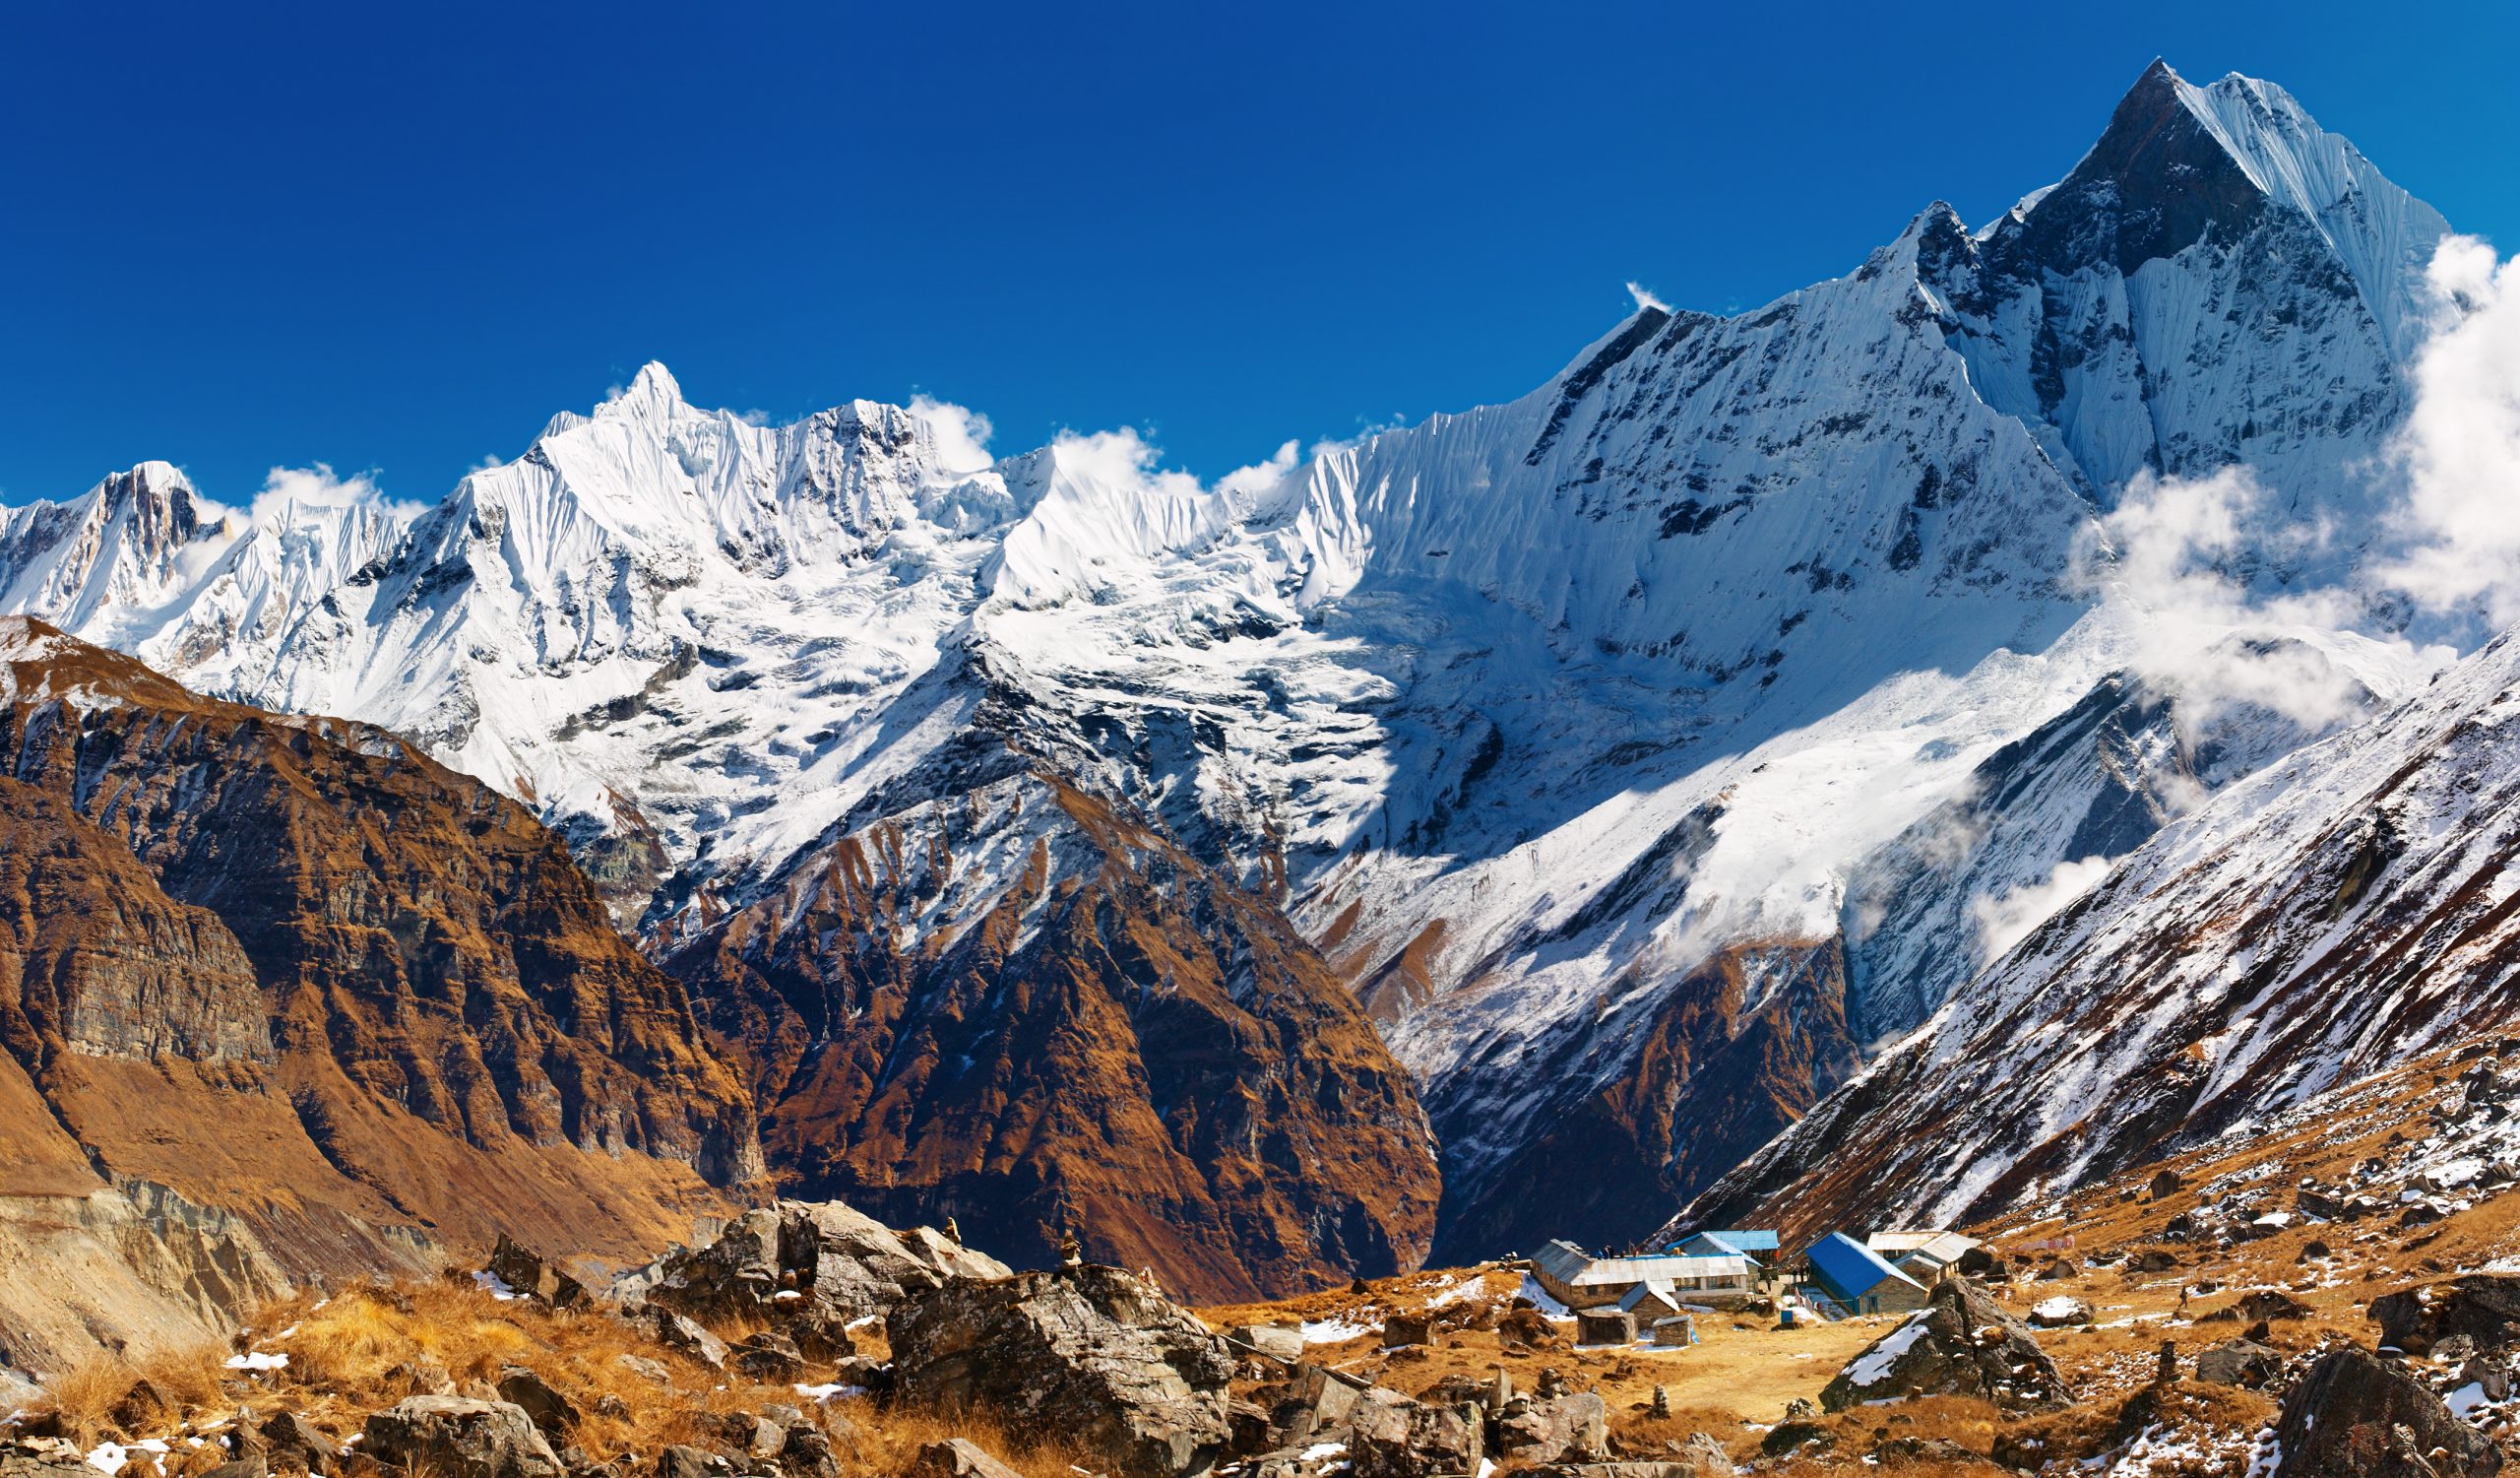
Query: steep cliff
[[292, 978], [1122, 1041]]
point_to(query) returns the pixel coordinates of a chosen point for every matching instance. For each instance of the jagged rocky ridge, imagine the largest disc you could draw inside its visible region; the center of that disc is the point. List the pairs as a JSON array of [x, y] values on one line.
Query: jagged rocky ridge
[[1560, 727], [284, 998], [1124, 1044], [2344, 910]]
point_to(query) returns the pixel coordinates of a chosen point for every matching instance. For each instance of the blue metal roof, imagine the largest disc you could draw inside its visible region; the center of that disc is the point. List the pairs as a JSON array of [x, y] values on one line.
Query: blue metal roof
[[1849, 1269], [1747, 1241]]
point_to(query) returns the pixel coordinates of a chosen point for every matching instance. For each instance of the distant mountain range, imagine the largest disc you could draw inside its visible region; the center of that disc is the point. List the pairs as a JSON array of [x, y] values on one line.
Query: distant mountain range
[[1488, 830]]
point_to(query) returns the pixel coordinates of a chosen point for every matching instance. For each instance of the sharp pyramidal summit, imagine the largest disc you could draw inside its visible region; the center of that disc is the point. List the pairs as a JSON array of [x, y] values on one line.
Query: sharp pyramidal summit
[[1931, 825]]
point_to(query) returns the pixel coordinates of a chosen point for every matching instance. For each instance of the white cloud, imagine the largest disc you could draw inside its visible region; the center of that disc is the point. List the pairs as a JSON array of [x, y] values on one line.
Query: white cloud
[[2459, 451], [1122, 460], [317, 486], [1645, 298], [2007, 918], [960, 433], [1260, 476], [2166, 553]]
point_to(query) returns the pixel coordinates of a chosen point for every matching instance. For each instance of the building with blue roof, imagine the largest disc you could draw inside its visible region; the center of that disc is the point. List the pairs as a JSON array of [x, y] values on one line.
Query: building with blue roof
[[1860, 1280], [1761, 1246]]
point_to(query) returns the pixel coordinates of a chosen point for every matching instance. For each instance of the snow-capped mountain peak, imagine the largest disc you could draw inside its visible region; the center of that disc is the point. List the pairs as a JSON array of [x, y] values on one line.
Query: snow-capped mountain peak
[[1563, 726]]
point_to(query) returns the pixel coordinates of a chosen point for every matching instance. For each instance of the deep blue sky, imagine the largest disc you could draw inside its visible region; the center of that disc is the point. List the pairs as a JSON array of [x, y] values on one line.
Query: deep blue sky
[[398, 238]]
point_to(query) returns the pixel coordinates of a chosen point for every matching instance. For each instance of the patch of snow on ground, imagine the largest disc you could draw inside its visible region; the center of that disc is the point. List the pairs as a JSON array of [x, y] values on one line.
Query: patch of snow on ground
[[1333, 1331], [835, 1391], [1541, 1300], [258, 1360]]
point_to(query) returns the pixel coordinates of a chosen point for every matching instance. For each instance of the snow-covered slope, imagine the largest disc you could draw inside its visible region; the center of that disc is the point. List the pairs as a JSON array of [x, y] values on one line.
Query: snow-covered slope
[[1563, 726], [143, 562], [2344, 910]]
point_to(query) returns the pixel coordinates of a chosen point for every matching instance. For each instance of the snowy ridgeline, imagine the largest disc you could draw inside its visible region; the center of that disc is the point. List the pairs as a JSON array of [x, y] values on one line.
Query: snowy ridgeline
[[1558, 696]]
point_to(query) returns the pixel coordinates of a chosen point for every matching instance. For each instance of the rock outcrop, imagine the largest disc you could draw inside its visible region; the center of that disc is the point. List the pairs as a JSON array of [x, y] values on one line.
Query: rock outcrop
[[1961, 1344], [456, 1437], [283, 996], [2352, 1416], [2482, 1307], [787, 1262], [1125, 1043], [1092, 1353]]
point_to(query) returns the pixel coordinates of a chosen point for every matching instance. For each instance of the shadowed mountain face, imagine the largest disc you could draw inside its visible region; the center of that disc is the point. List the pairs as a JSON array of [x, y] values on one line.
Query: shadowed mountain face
[[1122, 1041], [293, 977]]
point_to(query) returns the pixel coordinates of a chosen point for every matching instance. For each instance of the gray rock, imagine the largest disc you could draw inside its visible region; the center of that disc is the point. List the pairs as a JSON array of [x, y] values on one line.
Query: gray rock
[[1393, 1436], [288, 1435], [1091, 1353], [1272, 1340], [684, 1336], [1961, 1344], [454, 1437], [768, 1356], [528, 1273], [1568, 1427], [552, 1414], [2240, 1362], [2060, 1314], [2352, 1416], [957, 1458], [2483, 1307], [43, 1457], [691, 1462]]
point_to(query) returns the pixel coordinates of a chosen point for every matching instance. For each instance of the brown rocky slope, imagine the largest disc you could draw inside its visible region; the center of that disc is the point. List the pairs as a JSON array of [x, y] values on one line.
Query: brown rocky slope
[[1125, 1043], [283, 997]]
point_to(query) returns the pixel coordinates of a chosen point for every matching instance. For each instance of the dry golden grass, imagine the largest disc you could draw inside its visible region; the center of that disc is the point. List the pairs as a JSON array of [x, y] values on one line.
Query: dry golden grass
[[888, 1442], [90, 1398], [363, 1349]]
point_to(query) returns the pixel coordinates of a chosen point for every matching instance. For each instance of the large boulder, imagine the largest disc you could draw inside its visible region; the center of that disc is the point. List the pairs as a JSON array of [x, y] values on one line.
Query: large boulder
[[456, 1437], [1275, 1341], [2240, 1362], [2352, 1416], [1961, 1344], [1394, 1437], [957, 1458], [1092, 1354], [529, 1274], [1567, 1427], [808, 1269], [2483, 1307], [552, 1414]]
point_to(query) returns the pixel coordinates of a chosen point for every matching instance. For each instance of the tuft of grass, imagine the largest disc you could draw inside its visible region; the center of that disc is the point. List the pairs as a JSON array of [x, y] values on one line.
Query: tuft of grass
[[87, 1397]]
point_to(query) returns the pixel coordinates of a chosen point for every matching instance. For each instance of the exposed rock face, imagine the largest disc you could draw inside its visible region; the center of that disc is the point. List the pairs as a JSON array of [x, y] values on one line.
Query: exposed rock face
[[2240, 1362], [1961, 1344], [1379, 1432], [290, 985], [2356, 1417], [1089, 1352], [1125, 1043], [808, 1272], [1718, 1064], [459, 1438], [2483, 1307]]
